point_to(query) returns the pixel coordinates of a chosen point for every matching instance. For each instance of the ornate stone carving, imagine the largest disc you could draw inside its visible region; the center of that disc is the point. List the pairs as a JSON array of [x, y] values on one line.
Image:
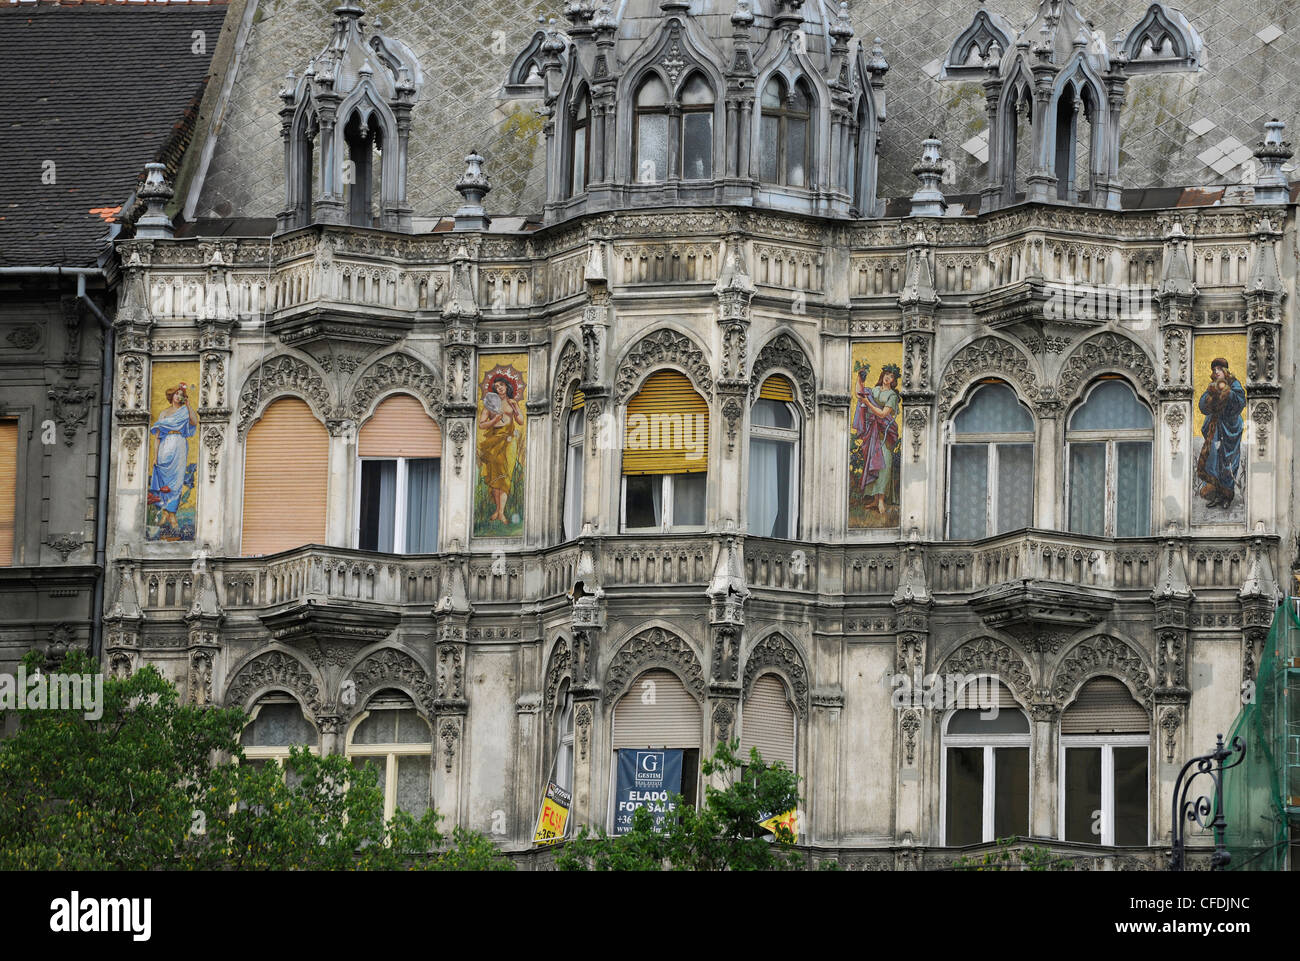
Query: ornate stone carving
[[71, 407], [658, 349], [212, 438], [556, 671], [986, 655], [212, 390], [779, 652], [784, 352], [988, 356], [1262, 416], [1101, 655], [655, 647], [917, 418], [394, 371], [131, 440], [1175, 417], [723, 718], [1170, 719], [451, 674], [458, 434], [568, 368], [910, 725], [274, 669], [24, 338], [200, 686], [1106, 351], [279, 375], [65, 544], [450, 733], [388, 667], [582, 718], [733, 411]]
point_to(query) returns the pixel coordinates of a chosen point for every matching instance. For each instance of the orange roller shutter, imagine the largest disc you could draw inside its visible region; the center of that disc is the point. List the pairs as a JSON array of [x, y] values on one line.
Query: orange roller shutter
[[777, 387], [666, 428], [286, 479], [8, 489], [400, 428]]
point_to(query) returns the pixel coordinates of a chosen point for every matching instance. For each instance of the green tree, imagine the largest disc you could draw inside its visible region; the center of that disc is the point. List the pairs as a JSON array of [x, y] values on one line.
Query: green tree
[[724, 834], [154, 784]]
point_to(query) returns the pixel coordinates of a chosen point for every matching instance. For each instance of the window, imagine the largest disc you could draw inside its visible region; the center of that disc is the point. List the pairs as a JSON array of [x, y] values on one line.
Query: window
[[985, 774], [651, 149], [8, 490], [396, 741], [665, 455], [573, 468], [398, 482], [767, 722], [991, 466], [785, 134], [697, 129], [774, 461], [1105, 737], [283, 508], [580, 147], [277, 725], [1109, 441], [564, 745], [658, 713]]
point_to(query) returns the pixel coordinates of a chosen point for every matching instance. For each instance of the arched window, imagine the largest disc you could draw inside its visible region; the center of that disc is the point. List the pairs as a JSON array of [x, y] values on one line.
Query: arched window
[[399, 458], [774, 461], [394, 739], [985, 766], [651, 147], [785, 134], [697, 129], [1105, 740], [1108, 439], [277, 725], [657, 717], [286, 479], [665, 455], [767, 722], [564, 744], [991, 465], [580, 147], [573, 467]]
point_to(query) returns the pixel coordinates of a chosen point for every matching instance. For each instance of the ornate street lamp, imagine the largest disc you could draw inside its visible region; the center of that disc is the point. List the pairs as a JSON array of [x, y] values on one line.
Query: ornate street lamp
[[1198, 809]]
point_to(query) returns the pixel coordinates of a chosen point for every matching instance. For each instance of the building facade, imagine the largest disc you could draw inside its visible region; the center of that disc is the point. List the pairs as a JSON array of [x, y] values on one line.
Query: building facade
[[723, 441]]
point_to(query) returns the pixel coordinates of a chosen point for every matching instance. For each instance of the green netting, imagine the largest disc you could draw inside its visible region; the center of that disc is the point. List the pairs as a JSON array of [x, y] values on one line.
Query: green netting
[[1256, 793]]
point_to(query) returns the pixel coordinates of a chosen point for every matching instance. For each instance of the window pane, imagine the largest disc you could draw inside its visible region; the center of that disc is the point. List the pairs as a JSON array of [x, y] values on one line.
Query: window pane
[[965, 798], [279, 725], [772, 93], [1083, 794], [579, 160], [800, 101], [652, 147], [379, 728], [994, 409], [689, 491], [573, 493], [969, 490], [413, 784], [644, 502], [697, 146], [652, 93], [1088, 489], [1015, 487], [422, 490], [970, 721], [770, 477], [411, 728], [1011, 792], [1112, 406], [1133, 490], [380, 766], [773, 413], [378, 503], [769, 150], [1130, 795], [796, 174]]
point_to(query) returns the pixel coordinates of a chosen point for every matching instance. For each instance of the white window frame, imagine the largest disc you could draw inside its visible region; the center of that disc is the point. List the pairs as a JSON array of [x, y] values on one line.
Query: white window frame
[[793, 437], [989, 742], [399, 507], [666, 502], [1107, 743], [993, 442], [391, 752], [564, 756], [1111, 438], [275, 752], [573, 485]]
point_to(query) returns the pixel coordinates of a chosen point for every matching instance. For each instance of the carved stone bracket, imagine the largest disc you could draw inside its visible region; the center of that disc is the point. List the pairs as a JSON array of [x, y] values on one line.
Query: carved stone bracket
[[458, 434], [909, 724], [212, 438], [70, 407]]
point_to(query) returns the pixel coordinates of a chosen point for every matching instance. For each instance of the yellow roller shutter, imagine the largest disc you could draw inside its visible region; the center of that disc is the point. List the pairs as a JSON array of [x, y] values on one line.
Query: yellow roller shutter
[[767, 722], [286, 479], [400, 428], [1105, 706], [777, 387], [8, 489], [579, 400], [666, 428], [657, 716]]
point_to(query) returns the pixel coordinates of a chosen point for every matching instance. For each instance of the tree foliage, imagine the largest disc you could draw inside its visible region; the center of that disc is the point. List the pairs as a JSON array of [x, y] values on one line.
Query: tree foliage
[[723, 834], [155, 784]]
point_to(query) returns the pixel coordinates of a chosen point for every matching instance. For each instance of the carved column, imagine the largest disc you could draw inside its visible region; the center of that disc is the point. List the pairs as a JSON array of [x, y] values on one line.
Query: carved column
[[912, 603], [215, 409], [450, 704], [1041, 183], [204, 622], [599, 422], [1259, 595], [727, 595], [132, 325], [735, 293], [1172, 598], [460, 315], [122, 622], [1175, 297], [1265, 293], [588, 624], [919, 303]]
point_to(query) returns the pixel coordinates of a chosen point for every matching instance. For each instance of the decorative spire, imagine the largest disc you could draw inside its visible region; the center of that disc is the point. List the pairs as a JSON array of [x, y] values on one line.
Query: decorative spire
[[841, 30], [1272, 153], [155, 192], [743, 18], [473, 185], [1177, 277], [877, 65], [928, 201]]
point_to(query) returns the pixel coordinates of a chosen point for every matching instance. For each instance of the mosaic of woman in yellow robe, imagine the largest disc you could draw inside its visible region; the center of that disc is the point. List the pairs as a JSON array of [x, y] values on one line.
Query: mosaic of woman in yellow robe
[[497, 449]]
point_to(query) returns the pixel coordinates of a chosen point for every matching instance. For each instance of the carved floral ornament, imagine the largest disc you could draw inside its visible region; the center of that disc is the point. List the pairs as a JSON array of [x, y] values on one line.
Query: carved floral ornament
[[1101, 656], [778, 652], [393, 668], [659, 349], [1107, 352], [784, 353], [278, 376], [396, 372], [568, 370], [655, 647], [274, 670], [987, 357]]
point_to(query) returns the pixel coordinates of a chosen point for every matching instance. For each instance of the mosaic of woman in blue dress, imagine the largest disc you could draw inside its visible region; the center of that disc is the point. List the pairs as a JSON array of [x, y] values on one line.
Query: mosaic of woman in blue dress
[[174, 427], [1220, 458]]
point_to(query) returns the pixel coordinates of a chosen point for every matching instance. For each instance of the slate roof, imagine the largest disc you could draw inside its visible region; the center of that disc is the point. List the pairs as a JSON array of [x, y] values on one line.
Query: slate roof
[[1174, 126], [99, 90]]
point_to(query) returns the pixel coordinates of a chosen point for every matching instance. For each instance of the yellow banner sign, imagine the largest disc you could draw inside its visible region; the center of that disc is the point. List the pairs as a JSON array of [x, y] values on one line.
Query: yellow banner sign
[[789, 820], [553, 821]]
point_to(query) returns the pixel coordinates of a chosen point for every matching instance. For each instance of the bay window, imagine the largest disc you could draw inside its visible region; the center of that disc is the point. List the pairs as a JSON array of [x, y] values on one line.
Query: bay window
[[1108, 443], [785, 134], [991, 465], [1105, 743], [773, 493]]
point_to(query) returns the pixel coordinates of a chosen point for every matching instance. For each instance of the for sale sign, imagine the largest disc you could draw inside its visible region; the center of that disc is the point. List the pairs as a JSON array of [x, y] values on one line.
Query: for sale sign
[[646, 779], [554, 818]]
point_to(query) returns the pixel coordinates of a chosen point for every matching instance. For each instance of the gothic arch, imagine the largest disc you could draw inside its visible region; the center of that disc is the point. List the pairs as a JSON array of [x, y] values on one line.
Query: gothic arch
[[1101, 655], [281, 375], [665, 347], [986, 31], [1162, 39], [777, 653], [650, 648], [528, 59], [1107, 353], [397, 373], [987, 356], [558, 669], [785, 353], [390, 667], [568, 374], [276, 669], [989, 655]]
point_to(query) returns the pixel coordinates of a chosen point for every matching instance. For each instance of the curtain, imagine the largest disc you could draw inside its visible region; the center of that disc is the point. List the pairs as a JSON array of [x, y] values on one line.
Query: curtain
[[1133, 490], [414, 789], [968, 492], [573, 493], [644, 505], [994, 410], [764, 487], [1112, 406], [689, 492], [1088, 489], [422, 485], [1015, 487], [378, 504]]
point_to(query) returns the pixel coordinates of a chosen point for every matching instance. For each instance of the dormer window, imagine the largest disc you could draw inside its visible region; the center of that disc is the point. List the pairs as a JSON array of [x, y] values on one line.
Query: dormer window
[[651, 148], [697, 129], [785, 149], [580, 147]]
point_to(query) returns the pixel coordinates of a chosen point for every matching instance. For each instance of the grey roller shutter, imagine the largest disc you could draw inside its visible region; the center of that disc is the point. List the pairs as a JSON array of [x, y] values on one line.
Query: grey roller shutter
[[1105, 706], [767, 722], [670, 719], [970, 695]]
